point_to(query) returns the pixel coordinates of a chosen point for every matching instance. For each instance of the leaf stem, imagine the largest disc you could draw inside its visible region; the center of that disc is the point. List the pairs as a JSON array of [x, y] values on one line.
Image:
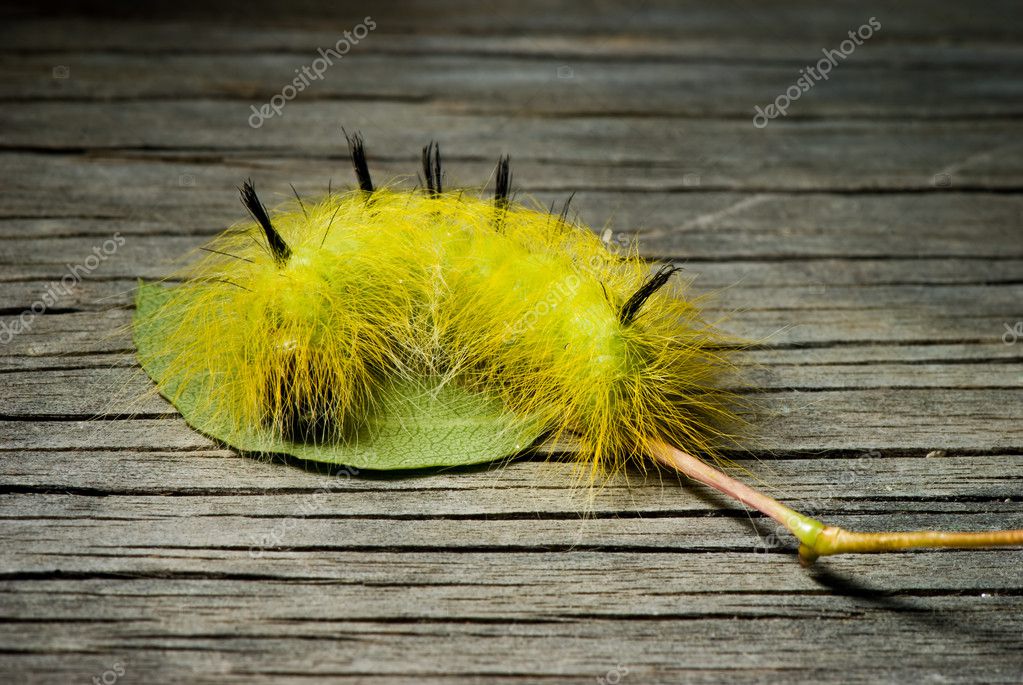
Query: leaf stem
[[817, 539]]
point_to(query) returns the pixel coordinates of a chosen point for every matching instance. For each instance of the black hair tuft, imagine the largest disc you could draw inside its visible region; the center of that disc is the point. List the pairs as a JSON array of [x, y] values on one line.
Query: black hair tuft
[[502, 183], [278, 248], [431, 168], [357, 150], [631, 308]]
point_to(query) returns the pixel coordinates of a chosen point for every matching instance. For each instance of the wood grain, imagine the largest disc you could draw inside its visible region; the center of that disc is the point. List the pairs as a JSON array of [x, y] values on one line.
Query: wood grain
[[869, 243]]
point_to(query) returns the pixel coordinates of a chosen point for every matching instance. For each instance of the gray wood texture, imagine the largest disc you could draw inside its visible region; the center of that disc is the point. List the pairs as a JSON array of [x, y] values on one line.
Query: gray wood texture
[[870, 242]]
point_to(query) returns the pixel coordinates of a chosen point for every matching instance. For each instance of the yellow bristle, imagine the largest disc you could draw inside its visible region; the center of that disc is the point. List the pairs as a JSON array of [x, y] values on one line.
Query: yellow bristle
[[502, 298]]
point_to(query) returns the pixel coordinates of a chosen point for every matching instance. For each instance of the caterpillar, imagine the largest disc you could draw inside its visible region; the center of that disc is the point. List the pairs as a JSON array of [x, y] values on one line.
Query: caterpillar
[[328, 329]]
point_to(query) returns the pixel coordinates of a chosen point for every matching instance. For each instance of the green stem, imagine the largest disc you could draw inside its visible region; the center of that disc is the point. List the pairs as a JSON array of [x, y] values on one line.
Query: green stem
[[817, 539]]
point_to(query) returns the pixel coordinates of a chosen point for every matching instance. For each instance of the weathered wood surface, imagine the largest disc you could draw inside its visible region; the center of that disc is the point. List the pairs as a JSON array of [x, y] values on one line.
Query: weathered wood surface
[[870, 242]]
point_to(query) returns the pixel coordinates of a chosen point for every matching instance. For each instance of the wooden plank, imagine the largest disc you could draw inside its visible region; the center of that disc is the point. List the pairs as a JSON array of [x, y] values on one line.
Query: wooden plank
[[650, 517], [150, 541], [267, 23], [728, 154], [869, 242], [935, 237], [87, 196], [282, 629], [499, 85], [836, 481], [709, 45]]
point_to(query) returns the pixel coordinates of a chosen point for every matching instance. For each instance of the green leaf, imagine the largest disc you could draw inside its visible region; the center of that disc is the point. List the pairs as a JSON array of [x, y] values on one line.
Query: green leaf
[[418, 425]]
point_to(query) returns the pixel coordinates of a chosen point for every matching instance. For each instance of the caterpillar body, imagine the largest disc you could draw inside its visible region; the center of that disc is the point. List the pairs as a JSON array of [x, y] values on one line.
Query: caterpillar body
[[306, 314], [304, 322]]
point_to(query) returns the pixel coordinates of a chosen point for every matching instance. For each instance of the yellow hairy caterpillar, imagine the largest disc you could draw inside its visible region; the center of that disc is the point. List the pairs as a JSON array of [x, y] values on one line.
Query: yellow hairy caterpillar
[[393, 328]]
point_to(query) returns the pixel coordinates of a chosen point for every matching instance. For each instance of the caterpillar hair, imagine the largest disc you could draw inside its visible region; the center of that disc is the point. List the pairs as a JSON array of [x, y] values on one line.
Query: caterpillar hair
[[348, 328]]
